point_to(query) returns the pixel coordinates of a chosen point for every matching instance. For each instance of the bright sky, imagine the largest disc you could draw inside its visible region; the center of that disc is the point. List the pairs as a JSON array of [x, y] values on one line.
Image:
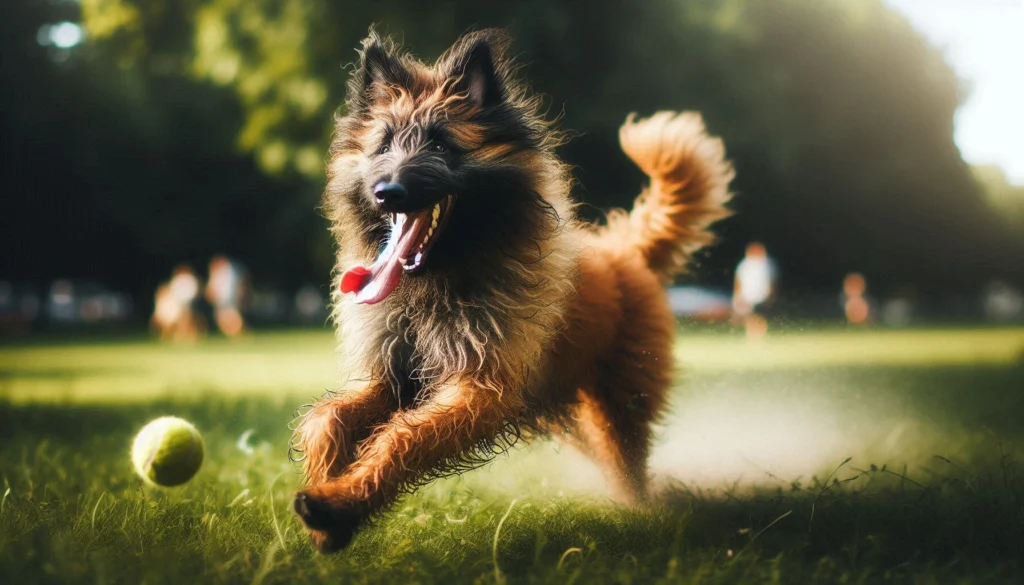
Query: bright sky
[[984, 42]]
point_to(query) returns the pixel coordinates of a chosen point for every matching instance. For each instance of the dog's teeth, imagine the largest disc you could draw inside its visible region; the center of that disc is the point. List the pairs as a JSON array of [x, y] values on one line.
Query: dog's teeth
[[437, 212], [419, 258]]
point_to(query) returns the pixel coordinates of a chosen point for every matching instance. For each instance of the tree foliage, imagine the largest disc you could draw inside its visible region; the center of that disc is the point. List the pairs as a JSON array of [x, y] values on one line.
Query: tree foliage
[[838, 116], [1005, 198]]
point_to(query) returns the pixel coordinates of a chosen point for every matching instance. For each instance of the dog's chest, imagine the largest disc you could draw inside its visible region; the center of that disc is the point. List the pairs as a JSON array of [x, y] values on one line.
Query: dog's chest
[[436, 344]]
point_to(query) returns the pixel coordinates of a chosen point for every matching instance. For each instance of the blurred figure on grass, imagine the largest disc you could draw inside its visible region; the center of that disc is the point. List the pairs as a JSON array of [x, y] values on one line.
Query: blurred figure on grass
[[855, 304], [175, 317], [898, 310], [227, 290], [754, 288], [1002, 302]]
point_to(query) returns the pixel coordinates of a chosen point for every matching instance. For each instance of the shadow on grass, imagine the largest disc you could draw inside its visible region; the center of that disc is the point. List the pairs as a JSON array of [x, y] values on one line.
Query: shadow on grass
[[856, 524]]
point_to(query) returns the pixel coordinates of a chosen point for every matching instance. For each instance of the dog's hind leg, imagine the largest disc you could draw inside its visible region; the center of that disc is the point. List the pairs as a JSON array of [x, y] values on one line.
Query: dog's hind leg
[[616, 435], [614, 414]]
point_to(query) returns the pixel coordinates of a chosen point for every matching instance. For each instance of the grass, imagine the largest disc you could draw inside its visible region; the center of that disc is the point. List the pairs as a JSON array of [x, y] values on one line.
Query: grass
[[816, 457]]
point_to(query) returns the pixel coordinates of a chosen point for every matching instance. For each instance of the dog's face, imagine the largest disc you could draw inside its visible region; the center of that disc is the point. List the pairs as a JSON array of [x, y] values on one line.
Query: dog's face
[[437, 163]]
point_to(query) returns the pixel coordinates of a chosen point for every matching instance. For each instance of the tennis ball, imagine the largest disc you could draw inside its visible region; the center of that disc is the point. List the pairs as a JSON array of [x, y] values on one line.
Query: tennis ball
[[168, 451]]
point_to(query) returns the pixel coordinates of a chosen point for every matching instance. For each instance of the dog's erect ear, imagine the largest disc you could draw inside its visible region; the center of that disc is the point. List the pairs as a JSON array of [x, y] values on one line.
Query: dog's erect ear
[[380, 65], [473, 66]]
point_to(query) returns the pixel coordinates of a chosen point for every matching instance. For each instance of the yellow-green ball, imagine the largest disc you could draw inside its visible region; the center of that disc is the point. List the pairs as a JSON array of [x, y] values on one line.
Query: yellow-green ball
[[168, 451]]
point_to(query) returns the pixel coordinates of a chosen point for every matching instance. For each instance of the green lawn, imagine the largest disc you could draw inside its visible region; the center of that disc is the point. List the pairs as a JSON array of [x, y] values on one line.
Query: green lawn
[[745, 470]]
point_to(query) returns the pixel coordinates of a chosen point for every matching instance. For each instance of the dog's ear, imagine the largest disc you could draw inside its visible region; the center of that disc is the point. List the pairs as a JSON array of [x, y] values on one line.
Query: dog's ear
[[380, 66], [472, 64]]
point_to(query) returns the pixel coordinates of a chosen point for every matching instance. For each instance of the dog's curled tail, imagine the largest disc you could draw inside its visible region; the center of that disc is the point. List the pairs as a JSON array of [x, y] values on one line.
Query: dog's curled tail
[[688, 191]]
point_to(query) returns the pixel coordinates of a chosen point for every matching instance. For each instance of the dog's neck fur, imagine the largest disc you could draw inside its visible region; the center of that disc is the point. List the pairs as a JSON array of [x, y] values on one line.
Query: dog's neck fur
[[491, 324]]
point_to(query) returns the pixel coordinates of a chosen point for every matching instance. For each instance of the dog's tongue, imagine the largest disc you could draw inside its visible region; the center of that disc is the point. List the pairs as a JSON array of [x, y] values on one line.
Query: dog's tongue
[[374, 284]]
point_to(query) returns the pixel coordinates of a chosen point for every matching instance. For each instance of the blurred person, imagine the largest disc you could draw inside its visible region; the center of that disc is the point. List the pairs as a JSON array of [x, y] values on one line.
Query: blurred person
[[167, 312], [754, 288], [175, 317], [226, 290], [61, 304], [898, 311], [855, 306], [1002, 302]]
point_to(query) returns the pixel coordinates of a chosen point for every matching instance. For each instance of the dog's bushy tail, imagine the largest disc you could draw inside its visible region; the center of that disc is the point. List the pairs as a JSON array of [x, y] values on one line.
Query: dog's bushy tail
[[688, 191]]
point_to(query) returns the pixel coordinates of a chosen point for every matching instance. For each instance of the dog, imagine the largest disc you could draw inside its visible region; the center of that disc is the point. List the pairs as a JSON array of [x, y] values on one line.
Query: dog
[[473, 308]]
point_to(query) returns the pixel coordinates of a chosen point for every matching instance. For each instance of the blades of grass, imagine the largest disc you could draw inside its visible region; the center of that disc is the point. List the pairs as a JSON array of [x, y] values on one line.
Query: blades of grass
[[273, 512], [498, 577], [836, 470], [565, 555], [239, 497], [773, 523], [673, 565], [3, 502], [96, 507], [277, 527], [538, 546], [828, 486], [967, 476], [1005, 462], [759, 533], [266, 564], [903, 478]]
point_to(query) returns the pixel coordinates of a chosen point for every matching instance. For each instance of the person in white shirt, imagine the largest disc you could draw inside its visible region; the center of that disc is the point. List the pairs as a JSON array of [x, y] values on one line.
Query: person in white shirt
[[227, 290], [754, 288], [175, 317]]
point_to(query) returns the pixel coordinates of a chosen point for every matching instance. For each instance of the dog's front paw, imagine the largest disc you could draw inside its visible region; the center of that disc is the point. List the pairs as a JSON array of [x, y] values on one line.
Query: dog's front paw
[[331, 528]]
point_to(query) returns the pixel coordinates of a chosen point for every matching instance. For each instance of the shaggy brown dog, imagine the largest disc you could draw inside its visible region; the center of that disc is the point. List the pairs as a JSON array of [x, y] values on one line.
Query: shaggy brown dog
[[487, 310]]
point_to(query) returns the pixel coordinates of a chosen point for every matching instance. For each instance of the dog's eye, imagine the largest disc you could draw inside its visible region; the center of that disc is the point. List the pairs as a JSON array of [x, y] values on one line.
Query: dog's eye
[[438, 147], [384, 149]]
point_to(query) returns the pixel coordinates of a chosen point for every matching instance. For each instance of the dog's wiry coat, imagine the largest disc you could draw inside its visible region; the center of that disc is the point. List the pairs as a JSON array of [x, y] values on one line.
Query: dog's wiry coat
[[524, 319]]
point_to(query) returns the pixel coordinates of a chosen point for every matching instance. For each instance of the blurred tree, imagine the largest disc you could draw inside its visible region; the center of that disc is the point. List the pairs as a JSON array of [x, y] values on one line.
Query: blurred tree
[[268, 53], [1006, 199], [116, 172]]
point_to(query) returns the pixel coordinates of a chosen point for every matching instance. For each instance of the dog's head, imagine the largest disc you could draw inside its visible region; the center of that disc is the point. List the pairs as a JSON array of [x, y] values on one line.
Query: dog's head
[[434, 166]]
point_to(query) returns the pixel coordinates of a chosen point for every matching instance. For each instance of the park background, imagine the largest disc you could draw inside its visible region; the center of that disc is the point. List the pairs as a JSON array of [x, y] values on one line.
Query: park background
[[137, 135], [140, 134]]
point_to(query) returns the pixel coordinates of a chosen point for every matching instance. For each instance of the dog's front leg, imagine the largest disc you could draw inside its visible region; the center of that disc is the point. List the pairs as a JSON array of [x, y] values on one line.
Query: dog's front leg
[[412, 445], [328, 434]]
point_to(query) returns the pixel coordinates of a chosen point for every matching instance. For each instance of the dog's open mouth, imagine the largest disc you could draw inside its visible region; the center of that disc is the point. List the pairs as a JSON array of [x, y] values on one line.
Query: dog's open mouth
[[411, 238]]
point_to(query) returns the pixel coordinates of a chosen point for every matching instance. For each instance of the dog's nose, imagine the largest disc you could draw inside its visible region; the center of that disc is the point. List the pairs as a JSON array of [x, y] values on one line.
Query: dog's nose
[[389, 193]]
